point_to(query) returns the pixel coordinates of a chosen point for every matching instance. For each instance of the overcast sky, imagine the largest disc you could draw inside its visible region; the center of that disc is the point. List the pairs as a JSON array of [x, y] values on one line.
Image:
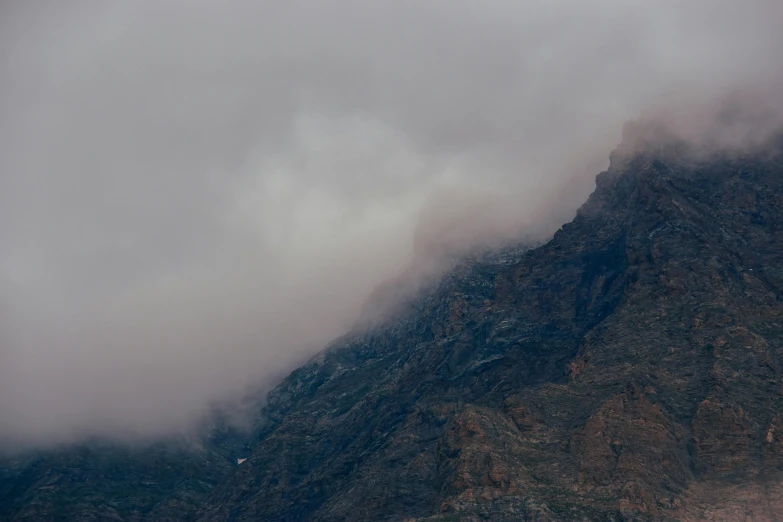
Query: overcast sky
[[196, 196]]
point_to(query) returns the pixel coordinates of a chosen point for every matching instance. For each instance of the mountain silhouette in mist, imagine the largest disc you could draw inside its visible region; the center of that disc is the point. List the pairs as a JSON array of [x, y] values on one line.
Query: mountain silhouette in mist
[[631, 368]]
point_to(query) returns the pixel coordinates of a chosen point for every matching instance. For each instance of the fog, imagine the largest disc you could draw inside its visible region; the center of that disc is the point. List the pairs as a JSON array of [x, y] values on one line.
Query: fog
[[196, 196]]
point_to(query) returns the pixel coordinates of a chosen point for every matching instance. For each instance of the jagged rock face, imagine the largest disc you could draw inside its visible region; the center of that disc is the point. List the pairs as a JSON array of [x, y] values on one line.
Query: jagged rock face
[[629, 369]]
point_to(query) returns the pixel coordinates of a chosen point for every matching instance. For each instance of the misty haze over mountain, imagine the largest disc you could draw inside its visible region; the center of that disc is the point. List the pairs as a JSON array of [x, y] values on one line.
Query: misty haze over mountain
[[195, 197]]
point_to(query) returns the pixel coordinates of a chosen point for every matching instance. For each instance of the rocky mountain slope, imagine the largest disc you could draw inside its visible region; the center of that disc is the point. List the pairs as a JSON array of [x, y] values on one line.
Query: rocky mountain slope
[[629, 369]]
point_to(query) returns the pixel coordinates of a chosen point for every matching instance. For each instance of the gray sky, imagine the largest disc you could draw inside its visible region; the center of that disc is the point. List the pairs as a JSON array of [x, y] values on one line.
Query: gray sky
[[197, 195]]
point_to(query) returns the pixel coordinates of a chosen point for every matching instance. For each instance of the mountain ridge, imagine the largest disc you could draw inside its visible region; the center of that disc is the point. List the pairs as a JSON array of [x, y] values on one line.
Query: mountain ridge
[[628, 369], [572, 312]]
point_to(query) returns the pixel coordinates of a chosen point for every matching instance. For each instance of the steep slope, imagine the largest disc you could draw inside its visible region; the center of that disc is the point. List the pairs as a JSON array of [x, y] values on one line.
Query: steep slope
[[629, 369]]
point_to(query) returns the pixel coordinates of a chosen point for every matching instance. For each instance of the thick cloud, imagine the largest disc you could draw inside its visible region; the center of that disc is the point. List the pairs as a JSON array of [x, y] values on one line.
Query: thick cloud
[[195, 196]]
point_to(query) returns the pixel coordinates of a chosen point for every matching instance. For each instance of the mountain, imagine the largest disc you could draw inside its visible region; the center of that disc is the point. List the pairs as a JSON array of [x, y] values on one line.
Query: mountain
[[631, 368], [105, 480]]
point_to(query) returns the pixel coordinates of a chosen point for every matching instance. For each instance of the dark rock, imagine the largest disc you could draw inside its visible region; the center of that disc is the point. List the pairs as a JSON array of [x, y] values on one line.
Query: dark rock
[[609, 374], [628, 369]]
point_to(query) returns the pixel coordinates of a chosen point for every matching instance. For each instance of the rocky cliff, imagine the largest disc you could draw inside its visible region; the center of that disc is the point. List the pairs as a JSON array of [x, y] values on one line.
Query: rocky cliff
[[629, 369]]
